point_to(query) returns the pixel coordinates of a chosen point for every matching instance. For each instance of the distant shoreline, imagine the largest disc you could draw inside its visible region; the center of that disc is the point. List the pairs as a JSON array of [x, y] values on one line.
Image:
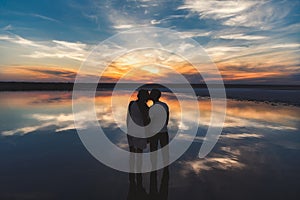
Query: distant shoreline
[[60, 86]]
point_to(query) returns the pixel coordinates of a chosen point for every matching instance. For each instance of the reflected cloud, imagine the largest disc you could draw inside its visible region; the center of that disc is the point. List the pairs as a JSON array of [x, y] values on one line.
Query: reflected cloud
[[220, 163], [24, 130], [263, 123], [229, 160], [240, 114], [241, 136]]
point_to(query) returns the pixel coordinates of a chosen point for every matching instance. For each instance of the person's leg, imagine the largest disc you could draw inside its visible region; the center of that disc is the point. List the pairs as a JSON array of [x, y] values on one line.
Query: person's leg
[[153, 149], [164, 186], [153, 142], [139, 167], [131, 165], [139, 160], [164, 141], [153, 185]]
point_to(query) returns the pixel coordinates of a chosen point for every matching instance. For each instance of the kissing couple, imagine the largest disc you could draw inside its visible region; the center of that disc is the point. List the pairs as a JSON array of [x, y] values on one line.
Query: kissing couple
[[142, 120]]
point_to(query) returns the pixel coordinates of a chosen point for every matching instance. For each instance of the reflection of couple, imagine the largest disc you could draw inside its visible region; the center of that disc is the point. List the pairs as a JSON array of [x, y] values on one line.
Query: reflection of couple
[[141, 115], [137, 191]]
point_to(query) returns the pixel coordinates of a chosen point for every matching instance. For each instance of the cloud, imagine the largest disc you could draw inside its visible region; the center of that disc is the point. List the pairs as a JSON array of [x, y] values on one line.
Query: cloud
[[217, 9], [171, 17], [195, 33], [263, 15], [125, 21], [7, 28], [43, 73], [12, 38], [59, 73], [224, 52], [35, 15], [44, 17], [116, 16], [258, 34], [123, 26], [71, 45], [246, 13], [286, 46], [242, 37], [258, 52], [49, 48], [248, 33]]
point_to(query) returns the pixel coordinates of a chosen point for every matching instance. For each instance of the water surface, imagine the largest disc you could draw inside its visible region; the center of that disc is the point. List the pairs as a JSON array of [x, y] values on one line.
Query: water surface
[[42, 157]]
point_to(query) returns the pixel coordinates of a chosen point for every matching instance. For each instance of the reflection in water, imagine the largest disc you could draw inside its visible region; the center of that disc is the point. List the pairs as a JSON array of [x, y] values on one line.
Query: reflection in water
[[162, 192], [259, 151], [40, 110], [48, 111], [158, 188]]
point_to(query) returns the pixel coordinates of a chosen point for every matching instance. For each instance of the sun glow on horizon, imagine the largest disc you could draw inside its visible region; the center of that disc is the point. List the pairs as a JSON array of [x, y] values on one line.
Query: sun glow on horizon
[[248, 44]]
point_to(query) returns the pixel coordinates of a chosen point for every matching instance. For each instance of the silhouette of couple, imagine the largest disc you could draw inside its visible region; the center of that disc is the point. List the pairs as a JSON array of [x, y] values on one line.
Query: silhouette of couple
[[140, 113]]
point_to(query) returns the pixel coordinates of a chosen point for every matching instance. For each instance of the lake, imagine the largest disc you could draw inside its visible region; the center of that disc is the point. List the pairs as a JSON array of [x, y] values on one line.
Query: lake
[[42, 157]]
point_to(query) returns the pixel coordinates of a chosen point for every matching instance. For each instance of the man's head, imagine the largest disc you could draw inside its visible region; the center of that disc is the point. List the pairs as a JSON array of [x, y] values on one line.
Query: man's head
[[143, 95], [155, 94]]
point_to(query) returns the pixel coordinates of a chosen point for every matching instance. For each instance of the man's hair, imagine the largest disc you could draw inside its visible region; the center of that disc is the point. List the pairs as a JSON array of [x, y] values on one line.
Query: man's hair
[[143, 94], [155, 94]]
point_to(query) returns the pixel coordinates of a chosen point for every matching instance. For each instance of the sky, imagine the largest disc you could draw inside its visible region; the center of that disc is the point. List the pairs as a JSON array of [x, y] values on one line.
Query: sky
[[251, 42]]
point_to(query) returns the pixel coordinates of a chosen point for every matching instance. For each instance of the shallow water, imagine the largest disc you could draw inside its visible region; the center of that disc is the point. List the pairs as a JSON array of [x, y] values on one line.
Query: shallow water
[[42, 157]]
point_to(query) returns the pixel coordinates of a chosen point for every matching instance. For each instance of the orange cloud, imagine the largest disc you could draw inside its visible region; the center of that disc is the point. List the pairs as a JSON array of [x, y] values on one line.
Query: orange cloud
[[37, 73]]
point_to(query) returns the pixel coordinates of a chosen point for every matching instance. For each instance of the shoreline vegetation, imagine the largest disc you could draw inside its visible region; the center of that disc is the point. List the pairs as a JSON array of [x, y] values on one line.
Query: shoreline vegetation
[[68, 86]]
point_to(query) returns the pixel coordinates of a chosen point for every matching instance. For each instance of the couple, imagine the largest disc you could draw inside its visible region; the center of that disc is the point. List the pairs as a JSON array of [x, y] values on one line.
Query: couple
[[147, 118], [142, 116]]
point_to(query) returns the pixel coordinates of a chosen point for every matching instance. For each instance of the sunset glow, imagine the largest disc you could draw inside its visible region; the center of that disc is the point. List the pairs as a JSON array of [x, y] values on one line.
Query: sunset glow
[[249, 41]]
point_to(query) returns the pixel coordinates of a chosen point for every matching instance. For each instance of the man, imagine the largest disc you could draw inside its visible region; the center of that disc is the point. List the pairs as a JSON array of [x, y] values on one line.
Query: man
[[162, 136]]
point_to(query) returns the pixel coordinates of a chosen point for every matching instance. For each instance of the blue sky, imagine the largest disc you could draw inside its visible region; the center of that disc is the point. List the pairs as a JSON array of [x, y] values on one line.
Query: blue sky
[[250, 41]]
